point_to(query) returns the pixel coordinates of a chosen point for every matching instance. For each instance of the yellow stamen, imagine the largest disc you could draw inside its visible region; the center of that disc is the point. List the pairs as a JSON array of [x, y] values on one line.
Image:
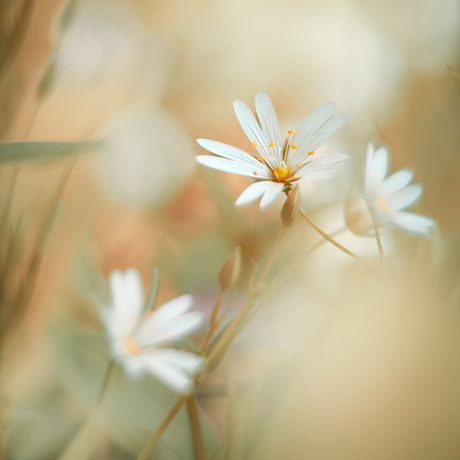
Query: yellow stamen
[[254, 145], [253, 172], [290, 131], [382, 202], [293, 146], [260, 158], [271, 144], [297, 165], [311, 152], [281, 172], [131, 345]]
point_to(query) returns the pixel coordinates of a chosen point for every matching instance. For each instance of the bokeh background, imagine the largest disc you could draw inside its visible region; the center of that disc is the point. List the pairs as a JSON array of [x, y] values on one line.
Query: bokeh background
[[340, 363]]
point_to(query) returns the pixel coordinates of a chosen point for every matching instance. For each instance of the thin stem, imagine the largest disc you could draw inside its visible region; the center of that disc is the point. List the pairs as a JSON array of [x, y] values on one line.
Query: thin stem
[[104, 384], [287, 273], [247, 306], [83, 436], [335, 243], [377, 238], [195, 426], [160, 430], [272, 256], [213, 320]]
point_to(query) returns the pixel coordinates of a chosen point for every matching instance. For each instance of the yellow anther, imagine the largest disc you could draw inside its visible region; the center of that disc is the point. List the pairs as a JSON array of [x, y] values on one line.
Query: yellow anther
[[290, 131], [253, 172], [131, 345], [260, 158], [271, 144], [254, 145], [297, 165], [382, 202], [281, 172], [311, 152], [293, 146]]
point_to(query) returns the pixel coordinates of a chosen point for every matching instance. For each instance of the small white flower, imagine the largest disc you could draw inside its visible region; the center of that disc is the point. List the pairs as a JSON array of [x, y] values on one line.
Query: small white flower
[[277, 165], [389, 197], [135, 340]]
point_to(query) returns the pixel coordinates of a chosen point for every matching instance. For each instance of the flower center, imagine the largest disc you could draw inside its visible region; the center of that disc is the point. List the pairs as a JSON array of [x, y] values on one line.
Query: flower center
[[131, 345], [382, 203], [282, 172]]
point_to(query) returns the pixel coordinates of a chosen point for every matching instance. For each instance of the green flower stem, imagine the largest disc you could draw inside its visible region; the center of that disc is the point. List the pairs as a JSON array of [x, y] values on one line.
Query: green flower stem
[[195, 427], [160, 430]]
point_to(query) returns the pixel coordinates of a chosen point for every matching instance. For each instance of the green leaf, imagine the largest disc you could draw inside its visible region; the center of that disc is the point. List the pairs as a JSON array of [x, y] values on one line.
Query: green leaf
[[130, 411], [43, 152]]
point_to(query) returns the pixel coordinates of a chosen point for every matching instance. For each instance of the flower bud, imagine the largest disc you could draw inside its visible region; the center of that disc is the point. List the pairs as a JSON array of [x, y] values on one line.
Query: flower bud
[[291, 207], [230, 270]]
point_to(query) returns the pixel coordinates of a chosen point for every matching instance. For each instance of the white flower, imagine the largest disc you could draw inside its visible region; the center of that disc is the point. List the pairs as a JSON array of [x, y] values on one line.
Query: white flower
[[389, 197], [134, 340], [277, 165]]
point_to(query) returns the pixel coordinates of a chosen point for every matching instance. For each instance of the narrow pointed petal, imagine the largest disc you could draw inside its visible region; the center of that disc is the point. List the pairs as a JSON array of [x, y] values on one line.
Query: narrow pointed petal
[[126, 302], [415, 224], [269, 122], [313, 122], [331, 159], [233, 167], [380, 164], [271, 194], [175, 329], [168, 374], [229, 152], [370, 149], [318, 172], [318, 138], [188, 362], [396, 181], [405, 197], [171, 309], [253, 192], [252, 129]]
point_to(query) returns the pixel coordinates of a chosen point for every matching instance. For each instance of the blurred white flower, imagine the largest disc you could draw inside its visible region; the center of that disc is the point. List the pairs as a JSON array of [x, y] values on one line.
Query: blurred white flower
[[147, 158], [389, 197], [276, 166], [135, 340]]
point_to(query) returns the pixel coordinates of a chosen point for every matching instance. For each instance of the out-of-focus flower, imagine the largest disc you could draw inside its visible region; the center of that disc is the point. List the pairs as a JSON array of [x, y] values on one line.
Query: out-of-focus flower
[[147, 158], [389, 197], [135, 340], [276, 166]]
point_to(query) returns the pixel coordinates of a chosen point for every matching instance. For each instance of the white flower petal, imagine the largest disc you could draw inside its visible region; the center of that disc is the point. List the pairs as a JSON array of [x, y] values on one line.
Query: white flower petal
[[229, 152], [268, 121], [170, 375], [177, 328], [313, 122], [233, 167], [405, 197], [127, 302], [171, 309], [255, 134], [396, 181], [188, 362], [318, 172], [271, 194], [331, 159], [317, 139], [415, 224], [380, 165], [253, 192]]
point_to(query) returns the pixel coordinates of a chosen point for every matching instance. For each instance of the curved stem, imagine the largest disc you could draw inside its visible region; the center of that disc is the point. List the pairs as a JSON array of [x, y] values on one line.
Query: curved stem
[[272, 256], [213, 320], [160, 430], [335, 243]]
